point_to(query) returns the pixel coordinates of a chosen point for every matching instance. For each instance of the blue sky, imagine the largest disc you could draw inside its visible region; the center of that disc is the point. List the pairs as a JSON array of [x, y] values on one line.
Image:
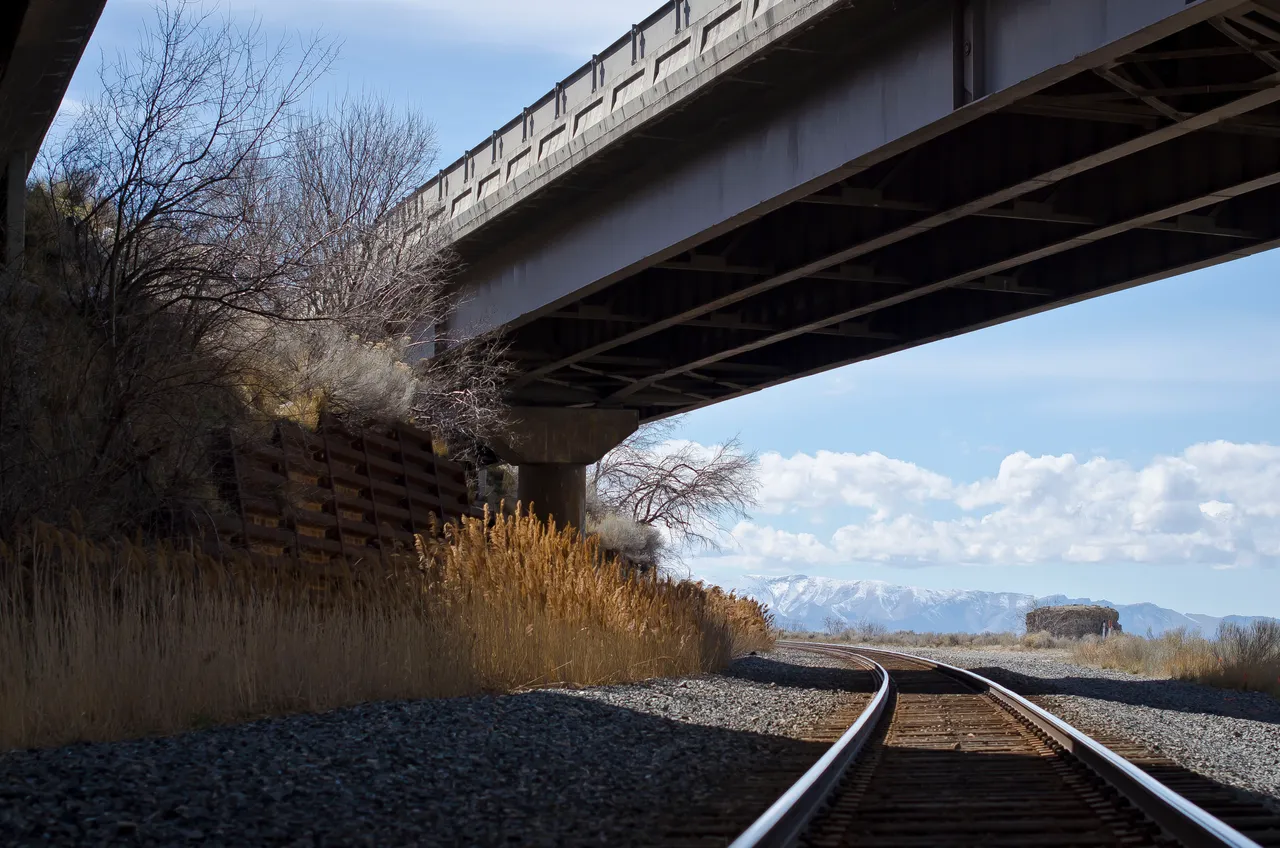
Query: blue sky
[[1134, 381]]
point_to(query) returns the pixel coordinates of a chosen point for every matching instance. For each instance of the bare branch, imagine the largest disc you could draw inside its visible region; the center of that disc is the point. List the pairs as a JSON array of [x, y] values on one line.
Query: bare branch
[[684, 488], [209, 246]]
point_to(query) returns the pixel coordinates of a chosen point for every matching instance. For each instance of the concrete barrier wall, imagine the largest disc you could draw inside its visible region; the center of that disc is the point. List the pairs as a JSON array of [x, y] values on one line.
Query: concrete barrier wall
[[633, 75]]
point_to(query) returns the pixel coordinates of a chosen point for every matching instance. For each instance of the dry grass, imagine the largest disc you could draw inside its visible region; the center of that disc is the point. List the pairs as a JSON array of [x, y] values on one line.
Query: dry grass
[[879, 635], [110, 641], [1240, 657]]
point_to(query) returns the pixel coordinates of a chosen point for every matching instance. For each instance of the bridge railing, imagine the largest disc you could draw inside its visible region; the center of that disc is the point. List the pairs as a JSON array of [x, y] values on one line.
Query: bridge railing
[[639, 66]]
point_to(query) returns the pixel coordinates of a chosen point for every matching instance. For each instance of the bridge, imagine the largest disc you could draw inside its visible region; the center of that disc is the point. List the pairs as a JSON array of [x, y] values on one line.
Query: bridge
[[41, 42], [738, 193]]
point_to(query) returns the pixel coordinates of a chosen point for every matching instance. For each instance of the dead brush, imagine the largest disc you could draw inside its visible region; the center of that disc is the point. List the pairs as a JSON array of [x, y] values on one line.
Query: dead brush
[[554, 606], [102, 641], [1245, 657]]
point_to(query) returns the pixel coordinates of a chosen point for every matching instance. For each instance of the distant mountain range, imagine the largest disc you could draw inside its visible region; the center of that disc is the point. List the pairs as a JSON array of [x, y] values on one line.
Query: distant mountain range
[[806, 603]]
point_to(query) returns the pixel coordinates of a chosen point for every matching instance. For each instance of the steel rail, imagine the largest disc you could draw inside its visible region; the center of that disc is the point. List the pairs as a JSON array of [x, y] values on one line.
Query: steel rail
[[784, 822], [1181, 819]]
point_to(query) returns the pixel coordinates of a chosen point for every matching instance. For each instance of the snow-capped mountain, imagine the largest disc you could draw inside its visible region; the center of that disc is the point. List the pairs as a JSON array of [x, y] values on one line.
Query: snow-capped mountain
[[806, 603]]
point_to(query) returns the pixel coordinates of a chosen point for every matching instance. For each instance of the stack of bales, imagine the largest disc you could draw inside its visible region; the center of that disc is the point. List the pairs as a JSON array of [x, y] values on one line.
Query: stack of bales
[[1073, 621]]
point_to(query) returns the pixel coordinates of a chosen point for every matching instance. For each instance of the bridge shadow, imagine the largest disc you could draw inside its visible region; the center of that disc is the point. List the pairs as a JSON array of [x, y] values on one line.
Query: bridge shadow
[[1177, 695], [767, 670], [536, 768]]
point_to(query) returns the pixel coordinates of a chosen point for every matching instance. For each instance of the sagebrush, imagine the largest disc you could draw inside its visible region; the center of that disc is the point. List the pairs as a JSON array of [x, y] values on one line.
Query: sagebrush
[[1243, 657], [873, 633]]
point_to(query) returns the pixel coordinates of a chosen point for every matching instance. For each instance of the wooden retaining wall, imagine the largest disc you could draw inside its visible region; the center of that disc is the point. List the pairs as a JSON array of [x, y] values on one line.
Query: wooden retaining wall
[[337, 494]]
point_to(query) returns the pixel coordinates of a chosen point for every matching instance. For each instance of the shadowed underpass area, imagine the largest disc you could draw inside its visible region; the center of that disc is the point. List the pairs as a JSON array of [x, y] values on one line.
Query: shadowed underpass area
[[767, 670], [1157, 694], [538, 768]]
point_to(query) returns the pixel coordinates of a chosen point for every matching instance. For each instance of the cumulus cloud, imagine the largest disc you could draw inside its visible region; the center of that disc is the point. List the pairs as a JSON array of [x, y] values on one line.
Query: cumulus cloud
[[1214, 504], [871, 481]]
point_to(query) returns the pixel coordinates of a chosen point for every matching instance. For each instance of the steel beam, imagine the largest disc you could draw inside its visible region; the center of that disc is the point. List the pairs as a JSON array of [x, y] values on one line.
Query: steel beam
[[1251, 45], [1164, 213], [804, 371], [1146, 141], [1113, 76]]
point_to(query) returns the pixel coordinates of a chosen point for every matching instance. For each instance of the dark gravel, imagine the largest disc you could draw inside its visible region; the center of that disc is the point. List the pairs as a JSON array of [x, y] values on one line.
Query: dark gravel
[[594, 767]]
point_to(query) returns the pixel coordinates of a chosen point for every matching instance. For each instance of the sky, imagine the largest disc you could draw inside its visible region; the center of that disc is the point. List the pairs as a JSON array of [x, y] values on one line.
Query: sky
[[1123, 448]]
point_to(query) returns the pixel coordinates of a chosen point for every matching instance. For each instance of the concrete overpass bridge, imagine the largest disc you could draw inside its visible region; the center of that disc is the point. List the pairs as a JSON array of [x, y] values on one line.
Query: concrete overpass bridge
[[738, 193], [41, 42]]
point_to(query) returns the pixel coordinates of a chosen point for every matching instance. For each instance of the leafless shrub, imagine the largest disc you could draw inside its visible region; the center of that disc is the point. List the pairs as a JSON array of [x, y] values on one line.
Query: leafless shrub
[[202, 245], [680, 487], [861, 630], [1256, 643]]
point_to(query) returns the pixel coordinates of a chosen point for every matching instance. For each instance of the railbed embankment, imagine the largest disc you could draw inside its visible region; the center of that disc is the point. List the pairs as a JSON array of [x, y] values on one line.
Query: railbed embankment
[[564, 767]]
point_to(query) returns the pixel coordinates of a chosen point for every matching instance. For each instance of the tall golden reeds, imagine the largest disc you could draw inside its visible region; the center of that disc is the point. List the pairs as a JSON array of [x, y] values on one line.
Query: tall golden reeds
[[104, 641]]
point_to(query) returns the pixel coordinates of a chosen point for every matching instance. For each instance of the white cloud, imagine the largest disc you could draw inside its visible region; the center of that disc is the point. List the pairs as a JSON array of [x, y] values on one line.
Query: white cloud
[[1215, 504], [69, 108], [871, 481], [767, 543]]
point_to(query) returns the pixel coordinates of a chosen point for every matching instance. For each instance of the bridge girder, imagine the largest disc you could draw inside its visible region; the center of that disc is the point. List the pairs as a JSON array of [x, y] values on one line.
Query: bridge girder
[[1138, 164]]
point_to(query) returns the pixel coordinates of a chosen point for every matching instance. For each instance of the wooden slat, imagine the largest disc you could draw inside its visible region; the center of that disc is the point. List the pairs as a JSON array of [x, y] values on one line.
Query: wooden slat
[[256, 474], [373, 490]]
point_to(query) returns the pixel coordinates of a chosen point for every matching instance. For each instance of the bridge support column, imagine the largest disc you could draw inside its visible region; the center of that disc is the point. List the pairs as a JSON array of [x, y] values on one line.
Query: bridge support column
[[13, 185], [552, 449]]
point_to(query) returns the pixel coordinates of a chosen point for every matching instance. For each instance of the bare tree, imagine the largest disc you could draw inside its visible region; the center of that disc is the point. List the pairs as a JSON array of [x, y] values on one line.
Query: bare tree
[[681, 487], [208, 240]]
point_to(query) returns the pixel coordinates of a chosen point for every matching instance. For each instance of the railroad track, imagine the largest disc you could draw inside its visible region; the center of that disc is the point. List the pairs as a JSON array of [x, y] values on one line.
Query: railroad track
[[943, 757]]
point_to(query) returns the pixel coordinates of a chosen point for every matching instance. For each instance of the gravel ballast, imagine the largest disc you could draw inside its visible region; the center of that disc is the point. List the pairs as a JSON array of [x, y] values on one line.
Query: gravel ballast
[[1232, 737], [588, 767]]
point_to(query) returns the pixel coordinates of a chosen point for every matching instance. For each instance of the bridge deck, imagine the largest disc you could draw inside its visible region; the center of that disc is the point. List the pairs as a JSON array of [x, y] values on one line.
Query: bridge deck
[[733, 243]]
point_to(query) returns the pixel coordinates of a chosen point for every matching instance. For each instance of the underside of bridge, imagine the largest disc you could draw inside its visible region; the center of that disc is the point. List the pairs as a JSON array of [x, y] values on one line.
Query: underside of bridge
[[1162, 161], [41, 42]]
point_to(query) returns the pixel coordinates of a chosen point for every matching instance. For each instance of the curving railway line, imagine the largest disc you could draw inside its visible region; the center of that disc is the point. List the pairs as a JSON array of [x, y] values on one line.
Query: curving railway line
[[941, 756]]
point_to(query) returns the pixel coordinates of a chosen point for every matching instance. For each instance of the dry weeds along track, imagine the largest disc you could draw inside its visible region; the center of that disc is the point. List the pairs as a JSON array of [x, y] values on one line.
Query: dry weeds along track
[[943, 757]]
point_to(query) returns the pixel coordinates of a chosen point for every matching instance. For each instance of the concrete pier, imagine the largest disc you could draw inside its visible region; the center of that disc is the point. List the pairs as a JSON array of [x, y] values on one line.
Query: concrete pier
[[552, 449]]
